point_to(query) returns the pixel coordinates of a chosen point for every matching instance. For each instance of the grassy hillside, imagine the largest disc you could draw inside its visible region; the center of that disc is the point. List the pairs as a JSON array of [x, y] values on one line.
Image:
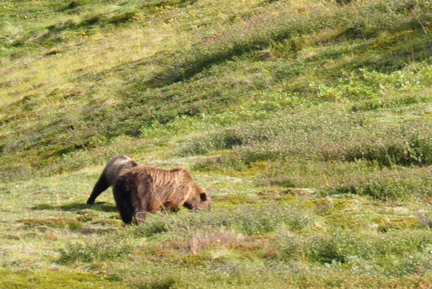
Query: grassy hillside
[[307, 121]]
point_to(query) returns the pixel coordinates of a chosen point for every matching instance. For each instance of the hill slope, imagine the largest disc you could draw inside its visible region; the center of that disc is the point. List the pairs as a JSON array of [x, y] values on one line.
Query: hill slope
[[307, 121]]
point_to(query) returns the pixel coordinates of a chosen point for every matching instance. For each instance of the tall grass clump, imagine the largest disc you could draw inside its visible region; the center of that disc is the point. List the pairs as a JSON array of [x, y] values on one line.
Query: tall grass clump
[[94, 251], [245, 220]]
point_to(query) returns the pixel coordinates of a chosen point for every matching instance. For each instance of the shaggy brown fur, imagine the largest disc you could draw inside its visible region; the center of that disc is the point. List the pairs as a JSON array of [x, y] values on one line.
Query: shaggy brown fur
[[112, 170], [144, 189]]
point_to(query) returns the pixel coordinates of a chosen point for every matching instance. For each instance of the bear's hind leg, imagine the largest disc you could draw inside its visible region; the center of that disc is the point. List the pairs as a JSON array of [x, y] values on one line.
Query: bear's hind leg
[[101, 185]]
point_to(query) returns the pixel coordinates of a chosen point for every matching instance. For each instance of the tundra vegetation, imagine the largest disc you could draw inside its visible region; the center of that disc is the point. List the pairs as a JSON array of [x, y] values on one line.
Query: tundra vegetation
[[308, 122]]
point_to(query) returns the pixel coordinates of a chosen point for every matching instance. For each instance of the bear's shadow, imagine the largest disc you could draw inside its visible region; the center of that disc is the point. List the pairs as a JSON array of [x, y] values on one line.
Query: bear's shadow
[[99, 206]]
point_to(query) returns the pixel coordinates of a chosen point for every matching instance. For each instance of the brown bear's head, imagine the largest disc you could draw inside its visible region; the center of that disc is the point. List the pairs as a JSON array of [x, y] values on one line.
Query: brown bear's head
[[199, 201]]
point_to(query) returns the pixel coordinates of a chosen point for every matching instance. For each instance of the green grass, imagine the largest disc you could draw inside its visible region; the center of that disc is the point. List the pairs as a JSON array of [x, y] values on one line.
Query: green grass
[[307, 121], [48, 279]]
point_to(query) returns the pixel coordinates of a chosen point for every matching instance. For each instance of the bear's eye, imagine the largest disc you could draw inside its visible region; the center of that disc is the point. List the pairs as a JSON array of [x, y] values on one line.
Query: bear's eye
[[203, 197]]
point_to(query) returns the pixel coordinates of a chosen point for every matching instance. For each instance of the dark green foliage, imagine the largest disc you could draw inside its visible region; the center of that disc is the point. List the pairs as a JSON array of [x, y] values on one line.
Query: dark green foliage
[[153, 228], [326, 250]]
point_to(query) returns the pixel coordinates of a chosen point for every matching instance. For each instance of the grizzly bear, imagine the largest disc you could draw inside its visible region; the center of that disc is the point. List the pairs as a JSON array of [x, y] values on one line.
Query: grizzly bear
[[112, 170], [143, 190]]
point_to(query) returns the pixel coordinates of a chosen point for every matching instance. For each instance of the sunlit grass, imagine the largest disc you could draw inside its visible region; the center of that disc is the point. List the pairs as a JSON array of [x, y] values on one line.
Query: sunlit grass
[[306, 121]]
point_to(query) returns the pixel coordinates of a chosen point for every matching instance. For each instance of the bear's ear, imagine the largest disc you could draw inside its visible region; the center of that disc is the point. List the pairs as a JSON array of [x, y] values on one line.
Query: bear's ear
[[203, 197]]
